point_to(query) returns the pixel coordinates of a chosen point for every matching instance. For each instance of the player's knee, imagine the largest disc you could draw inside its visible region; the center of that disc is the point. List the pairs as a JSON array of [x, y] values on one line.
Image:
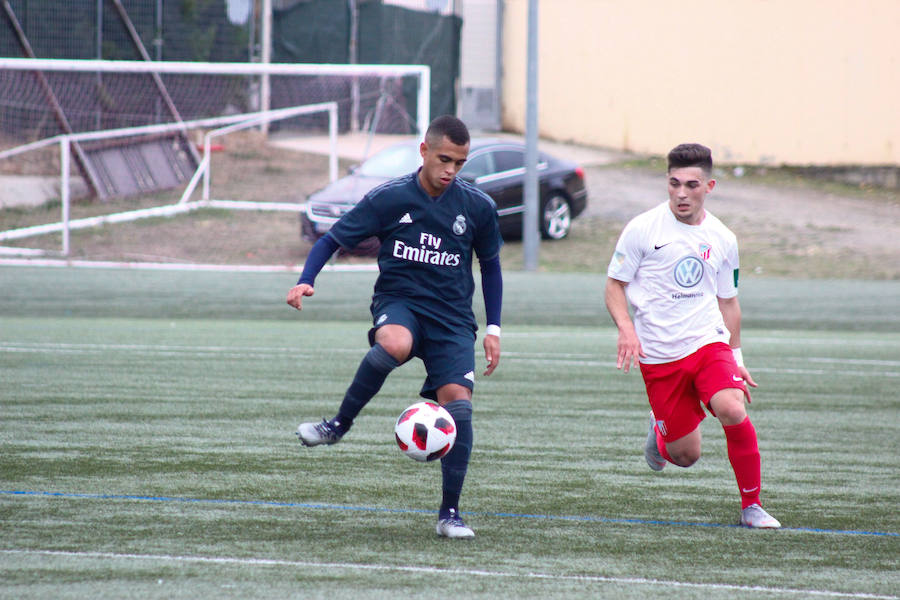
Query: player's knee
[[453, 391], [732, 414], [686, 457], [729, 406], [396, 342]]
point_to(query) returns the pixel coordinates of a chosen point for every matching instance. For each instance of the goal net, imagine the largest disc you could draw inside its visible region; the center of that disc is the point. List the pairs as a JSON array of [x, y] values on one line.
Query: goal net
[[98, 121], [45, 97]]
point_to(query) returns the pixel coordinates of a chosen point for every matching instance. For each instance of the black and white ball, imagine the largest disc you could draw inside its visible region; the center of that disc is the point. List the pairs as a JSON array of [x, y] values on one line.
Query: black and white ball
[[425, 431]]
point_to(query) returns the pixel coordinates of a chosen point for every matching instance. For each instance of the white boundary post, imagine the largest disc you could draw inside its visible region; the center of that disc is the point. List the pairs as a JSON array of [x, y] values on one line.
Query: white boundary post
[[333, 136], [64, 189], [424, 107], [265, 86]]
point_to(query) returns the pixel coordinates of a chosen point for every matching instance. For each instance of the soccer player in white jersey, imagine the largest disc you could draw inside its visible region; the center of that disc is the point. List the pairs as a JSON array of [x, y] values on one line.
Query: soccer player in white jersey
[[676, 265]]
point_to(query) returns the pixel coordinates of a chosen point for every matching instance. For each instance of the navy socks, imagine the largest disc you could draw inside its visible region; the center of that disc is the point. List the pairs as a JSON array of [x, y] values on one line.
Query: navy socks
[[370, 376], [456, 463]]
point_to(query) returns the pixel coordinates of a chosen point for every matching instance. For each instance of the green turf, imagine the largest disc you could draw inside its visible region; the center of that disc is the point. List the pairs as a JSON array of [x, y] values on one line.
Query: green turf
[[146, 424]]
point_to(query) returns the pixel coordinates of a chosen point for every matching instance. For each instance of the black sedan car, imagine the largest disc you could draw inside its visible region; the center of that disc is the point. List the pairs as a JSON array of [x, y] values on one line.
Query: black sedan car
[[496, 166]]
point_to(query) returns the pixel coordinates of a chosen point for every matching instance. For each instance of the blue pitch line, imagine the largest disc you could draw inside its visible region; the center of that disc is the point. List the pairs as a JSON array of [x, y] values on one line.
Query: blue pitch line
[[585, 519]]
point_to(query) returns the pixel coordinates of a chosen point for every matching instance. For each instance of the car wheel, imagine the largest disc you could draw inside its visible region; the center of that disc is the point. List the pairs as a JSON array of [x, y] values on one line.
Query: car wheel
[[556, 218]]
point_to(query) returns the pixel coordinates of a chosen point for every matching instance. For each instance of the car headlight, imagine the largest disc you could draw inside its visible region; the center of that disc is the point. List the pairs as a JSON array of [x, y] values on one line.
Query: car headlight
[[328, 211]]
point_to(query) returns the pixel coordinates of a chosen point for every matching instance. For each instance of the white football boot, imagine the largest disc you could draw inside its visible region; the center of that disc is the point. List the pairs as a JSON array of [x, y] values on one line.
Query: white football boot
[[754, 516], [453, 527], [313, 434], [651, 451]]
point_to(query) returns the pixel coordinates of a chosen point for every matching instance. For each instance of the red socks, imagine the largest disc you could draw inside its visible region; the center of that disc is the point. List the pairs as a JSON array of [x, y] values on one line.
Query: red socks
[[743, 452]]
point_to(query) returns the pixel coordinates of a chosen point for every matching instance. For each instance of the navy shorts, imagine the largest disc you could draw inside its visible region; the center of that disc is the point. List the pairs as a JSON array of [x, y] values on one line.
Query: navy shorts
[[448, 352]]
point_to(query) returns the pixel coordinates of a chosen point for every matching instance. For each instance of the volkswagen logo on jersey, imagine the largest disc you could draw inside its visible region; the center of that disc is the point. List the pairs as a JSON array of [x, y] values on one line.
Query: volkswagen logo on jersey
[[688, 271], [459, 225]]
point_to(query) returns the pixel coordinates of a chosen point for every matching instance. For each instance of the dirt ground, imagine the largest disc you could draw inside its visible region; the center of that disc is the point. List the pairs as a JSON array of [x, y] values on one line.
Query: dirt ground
[[786, 226]]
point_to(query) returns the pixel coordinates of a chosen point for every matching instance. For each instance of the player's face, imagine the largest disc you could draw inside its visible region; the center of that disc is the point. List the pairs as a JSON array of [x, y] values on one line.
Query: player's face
[[440, 164], [688, 187]]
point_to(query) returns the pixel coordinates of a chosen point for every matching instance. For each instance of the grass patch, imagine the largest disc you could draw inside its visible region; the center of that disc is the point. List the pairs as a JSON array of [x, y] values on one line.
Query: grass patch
[[149, 416]]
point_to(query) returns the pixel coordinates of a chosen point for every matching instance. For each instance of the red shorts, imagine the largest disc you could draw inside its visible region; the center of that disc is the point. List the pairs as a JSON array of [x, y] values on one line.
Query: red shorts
[[678, 391]]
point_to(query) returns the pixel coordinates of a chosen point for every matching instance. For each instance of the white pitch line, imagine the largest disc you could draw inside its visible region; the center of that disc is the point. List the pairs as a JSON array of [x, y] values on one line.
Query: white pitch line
[[569, 359], [794, 371], [852, 361], [799, 341], [153, 348], [636, 581]]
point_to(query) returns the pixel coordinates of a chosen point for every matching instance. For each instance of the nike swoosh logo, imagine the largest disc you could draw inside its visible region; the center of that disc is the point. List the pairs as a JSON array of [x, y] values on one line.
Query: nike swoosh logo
[[736, 378], [657, 247], [750, 491]]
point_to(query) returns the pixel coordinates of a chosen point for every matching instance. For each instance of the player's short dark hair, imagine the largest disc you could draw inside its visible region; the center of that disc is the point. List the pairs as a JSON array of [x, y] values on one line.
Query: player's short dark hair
[[450, 127], [691, 155]]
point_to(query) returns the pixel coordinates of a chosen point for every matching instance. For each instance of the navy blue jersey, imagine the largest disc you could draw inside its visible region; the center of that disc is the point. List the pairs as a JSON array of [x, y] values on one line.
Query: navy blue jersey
[[426, 243]]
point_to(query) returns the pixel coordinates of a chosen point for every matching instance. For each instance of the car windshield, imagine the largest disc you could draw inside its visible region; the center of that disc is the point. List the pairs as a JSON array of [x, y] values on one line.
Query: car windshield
[[392, 162]]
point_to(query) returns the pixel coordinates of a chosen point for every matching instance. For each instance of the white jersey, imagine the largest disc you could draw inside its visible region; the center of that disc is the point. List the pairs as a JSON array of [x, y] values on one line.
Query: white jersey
[[675, 272]]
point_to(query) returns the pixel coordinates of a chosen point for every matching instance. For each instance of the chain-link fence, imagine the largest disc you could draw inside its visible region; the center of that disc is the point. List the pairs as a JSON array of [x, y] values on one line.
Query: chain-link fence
[[310, 31], [189, 30]]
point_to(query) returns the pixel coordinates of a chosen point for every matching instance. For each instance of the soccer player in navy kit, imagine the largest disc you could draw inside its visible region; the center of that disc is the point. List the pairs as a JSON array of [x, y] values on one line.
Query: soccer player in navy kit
[[429, 224], [677, 266]]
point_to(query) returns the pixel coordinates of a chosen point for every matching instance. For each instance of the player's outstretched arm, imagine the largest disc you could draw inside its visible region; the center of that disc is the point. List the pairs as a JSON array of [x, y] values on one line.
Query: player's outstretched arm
[[318, 256]]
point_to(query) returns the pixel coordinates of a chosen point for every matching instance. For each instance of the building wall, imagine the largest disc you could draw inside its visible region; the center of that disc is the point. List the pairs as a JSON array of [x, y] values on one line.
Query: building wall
[[802, 82]]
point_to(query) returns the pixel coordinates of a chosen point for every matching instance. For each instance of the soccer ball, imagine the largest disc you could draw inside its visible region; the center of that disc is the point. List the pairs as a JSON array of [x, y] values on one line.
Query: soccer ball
[[425, 431]]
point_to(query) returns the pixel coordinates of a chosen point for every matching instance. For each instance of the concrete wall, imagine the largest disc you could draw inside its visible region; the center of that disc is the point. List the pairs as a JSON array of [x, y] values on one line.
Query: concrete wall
[[802, 82]]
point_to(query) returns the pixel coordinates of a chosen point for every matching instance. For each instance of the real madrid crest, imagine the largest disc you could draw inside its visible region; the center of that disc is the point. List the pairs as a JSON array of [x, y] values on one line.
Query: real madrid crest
[[459, 225]]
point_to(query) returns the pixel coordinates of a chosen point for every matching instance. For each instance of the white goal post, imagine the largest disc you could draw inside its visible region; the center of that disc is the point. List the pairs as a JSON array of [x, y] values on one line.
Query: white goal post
[[100, 100], [422, 73]]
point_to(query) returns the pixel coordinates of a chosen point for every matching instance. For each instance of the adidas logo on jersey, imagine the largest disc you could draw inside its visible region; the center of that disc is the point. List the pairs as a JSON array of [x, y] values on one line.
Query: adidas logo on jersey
[[406, 218]]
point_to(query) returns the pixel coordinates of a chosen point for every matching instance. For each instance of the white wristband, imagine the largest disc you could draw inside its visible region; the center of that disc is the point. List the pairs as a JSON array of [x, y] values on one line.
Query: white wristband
[[492, 330], [738, 356]]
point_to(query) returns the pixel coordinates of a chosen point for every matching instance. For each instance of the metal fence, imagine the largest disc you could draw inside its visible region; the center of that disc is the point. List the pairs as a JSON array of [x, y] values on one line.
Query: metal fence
[[124, 30]]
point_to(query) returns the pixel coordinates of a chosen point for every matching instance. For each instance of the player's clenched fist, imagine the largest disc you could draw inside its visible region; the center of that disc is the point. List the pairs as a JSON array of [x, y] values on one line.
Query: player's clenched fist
[[296, 293]]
